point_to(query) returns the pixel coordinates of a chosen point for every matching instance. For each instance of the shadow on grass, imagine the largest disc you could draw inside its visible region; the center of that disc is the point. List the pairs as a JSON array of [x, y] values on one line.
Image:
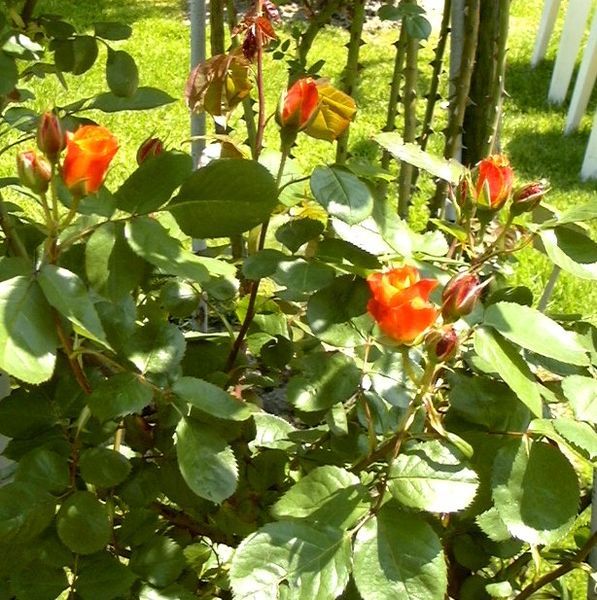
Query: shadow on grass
[[83, 14]]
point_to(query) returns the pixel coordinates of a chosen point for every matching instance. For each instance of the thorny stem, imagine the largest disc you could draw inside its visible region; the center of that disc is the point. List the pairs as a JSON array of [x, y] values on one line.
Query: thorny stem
[[459, 102], [351, 70], [394, 443], [255, 287], [409, 100], [67, 346], [564, 568], [260, 88]]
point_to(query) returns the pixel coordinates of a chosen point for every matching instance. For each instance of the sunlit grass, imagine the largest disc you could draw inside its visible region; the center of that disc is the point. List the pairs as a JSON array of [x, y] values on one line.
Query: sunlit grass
[[532, 130]]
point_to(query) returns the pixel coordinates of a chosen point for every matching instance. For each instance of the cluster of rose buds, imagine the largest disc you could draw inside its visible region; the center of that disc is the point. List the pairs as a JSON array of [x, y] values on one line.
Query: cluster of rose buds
[[492, 186], [401, 307], [89, 152]]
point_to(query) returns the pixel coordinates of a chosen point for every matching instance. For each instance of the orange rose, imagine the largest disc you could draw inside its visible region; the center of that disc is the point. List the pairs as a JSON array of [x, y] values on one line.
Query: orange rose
[[494, 180], [400, 303], [89, 152], [299, 105]]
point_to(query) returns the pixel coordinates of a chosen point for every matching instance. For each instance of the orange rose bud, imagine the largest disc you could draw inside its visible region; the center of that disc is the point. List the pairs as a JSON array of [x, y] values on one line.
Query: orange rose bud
[[89, 152], [298, 106], [442, 345], [400, 303], [494, 181], [460, 296], [150, 147], [528, 197], [35, 172], [51, 138]]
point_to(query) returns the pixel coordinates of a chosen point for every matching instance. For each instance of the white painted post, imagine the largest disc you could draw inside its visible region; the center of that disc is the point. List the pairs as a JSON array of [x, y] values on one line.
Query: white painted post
[[585, 81], [548, 21], [589, 165], [572, 33]]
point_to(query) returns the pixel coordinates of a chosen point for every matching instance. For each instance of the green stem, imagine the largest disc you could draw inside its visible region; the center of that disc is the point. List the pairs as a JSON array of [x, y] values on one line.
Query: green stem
[[255, 287], [386, 157], [409, 98], [498, 88], [318, 21], [564, 568], [437, 64], [459, 101], [351, 70], [433, 94]]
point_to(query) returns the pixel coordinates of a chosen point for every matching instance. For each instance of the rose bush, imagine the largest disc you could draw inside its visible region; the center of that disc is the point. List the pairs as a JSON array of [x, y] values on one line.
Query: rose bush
[[345, 408]]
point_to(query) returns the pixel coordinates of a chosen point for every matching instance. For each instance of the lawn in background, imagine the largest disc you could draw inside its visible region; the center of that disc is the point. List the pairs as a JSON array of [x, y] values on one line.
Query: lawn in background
[[532, 130]]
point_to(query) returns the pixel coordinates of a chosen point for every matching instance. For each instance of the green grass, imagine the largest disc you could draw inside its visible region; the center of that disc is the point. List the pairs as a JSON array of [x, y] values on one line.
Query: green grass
[[531, 129]]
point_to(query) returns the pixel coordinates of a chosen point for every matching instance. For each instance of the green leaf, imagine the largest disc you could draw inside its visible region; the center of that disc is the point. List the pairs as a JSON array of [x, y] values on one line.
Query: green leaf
[[159, 561], [152, 184], [143, 99], [122, 394], [25, 415], [122, 74], [398, 555], [45, 469], [342, 252], [103, 467], [9, 74], [581, 435], [156, 347], [113, 31], [582, 393], [28, 338], [84, 48], [489, 403], [211, 399], [502, 357], [328, 495], [206, 462], [172, 592], [492, 526], [112, 268], [448, 170], [532, 330], [342, 194], [432, 476], [576, 214], [532, 507], [326, 378], [151, 241], [38, 582], [103, 577], [21, 118], [303, 562], [83, 523], [571, 251], [227, 197], [337, 313], [68, 295], [302, 276], [518, 295], [272, 432], [417, 26], [25, 511], [297, 232], [502, 589], [263, 263]]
